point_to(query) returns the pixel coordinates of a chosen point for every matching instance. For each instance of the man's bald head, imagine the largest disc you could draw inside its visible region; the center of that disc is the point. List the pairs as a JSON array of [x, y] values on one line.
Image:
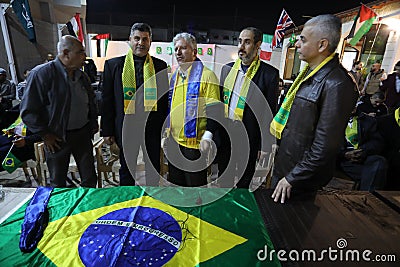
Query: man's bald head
[[71, 52]]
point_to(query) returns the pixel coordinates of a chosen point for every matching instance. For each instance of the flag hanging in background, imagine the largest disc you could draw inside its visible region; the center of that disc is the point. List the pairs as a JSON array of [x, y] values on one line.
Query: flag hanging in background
[[11, 162], [284, 23], [23, 11], [75, 27], [266, 47], [102, 43], [127, 226], [366, 15]]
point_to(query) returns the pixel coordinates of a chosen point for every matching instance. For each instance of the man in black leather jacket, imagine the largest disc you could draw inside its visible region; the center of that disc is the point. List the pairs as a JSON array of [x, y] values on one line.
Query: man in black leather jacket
[[323, 97]]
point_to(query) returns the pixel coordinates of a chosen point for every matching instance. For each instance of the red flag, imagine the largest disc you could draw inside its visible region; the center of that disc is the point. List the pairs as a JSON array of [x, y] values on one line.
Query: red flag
[[75, 27], [366, 13]]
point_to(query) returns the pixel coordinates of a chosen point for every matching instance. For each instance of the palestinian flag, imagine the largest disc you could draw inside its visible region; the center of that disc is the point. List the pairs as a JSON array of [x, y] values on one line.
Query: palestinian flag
[[362, 24], [143, 226]]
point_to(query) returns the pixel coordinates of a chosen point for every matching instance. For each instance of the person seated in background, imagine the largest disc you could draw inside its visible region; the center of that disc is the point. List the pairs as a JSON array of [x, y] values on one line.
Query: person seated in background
[[389, 127], [22, 139], [7, 90], [21, 85], [360, 157], [374, 105]]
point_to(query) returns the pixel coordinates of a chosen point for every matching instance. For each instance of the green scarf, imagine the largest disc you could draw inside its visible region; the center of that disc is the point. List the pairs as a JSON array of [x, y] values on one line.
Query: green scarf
[[230, 82], [351, 132], [129, 84], [397, 116], [278, 123]]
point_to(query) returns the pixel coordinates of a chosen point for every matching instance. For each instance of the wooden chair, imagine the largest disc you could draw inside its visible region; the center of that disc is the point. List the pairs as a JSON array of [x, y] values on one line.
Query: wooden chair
[[264, 172], [30, 169], [107, 162], [44, 170]]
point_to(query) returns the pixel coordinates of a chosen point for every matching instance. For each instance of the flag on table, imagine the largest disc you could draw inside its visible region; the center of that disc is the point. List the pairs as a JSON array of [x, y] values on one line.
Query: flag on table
[[131, 226], [23, 11], [366, 15], [266, 47], [75, 27], [11, 162], [284, 23]]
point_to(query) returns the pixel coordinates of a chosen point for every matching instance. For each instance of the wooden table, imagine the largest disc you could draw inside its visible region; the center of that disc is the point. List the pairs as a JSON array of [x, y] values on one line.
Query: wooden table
[[350, 220], [391, 198]]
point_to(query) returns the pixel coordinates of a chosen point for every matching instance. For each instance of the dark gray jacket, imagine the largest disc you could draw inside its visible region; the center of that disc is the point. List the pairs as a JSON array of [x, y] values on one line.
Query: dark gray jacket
[[46, 103], [315, 128]]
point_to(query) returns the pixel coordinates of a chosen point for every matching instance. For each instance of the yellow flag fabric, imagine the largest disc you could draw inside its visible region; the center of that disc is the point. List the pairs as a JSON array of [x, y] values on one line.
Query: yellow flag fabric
[[279, 121], [129, 84]]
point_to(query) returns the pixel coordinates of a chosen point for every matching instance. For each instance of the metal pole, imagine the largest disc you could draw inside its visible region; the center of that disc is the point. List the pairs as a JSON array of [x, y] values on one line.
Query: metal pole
[[7, 42]]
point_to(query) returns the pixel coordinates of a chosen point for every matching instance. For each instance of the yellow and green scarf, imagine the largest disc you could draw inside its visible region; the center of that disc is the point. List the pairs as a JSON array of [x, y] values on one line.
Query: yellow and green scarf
[[230, 83], [278, 123], [352, 132], [129, 84], [397, 116], [17, 128]]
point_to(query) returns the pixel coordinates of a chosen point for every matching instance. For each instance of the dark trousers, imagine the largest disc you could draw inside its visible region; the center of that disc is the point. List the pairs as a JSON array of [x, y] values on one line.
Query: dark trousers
[[235, 160], [79, 144], [183, 176], [149, 140], [371, 173]]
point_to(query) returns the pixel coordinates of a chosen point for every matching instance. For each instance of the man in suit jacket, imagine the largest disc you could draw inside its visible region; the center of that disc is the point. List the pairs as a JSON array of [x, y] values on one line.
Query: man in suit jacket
[[248, 89], [135, 105]]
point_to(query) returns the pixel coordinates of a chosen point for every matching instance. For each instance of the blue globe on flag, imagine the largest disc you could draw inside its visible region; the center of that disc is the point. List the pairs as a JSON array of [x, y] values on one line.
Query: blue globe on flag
[[137, 236]]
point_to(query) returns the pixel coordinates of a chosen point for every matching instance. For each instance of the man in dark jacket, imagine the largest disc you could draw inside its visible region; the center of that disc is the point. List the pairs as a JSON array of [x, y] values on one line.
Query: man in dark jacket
[[135, 105], [360, 157], [248, 90], [59, 105], [391, 87], [312, 119]]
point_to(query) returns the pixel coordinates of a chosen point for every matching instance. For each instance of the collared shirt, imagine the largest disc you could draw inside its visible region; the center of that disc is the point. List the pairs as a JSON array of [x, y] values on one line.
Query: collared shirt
[[240, 78]]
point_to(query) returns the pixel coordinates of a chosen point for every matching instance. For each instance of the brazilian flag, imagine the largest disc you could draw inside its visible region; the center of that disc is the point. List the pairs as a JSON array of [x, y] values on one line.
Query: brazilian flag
[[11, 162], [132, 226]]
